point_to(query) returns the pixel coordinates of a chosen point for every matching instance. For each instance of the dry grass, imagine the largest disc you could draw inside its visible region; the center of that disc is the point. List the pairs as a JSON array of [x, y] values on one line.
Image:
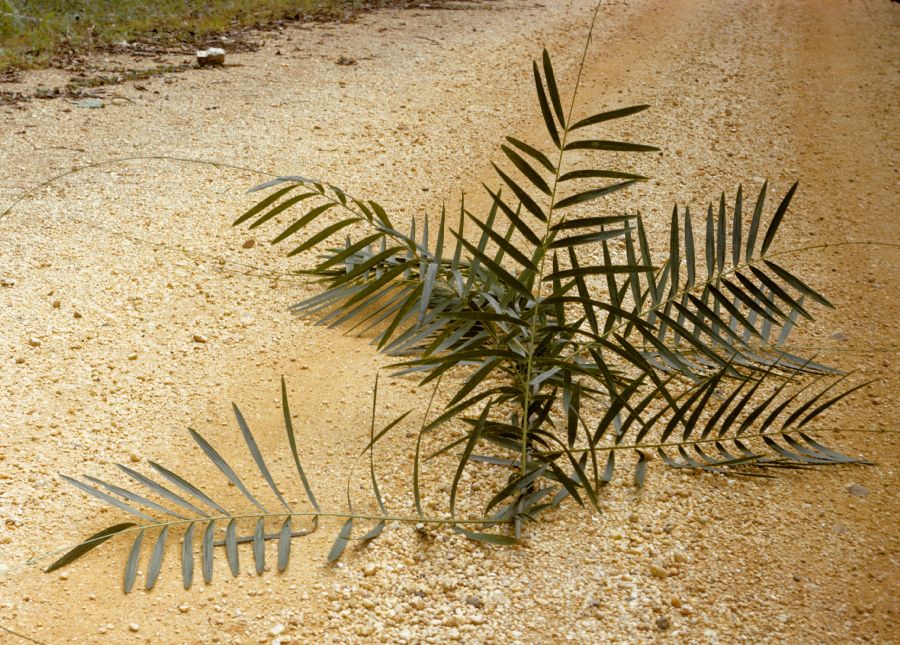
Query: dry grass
[[38, 33]]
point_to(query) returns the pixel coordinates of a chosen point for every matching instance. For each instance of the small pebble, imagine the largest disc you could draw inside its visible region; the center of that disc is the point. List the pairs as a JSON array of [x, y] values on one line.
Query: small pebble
[[34, 342], [184, 608], [658, 571], [7, 282], [249, 244], [200, 338], [277, 629], [57, 304], [857, 490], [20, 360], [133, 627], [370, 570], [76, 315], [663, 623], [474, 601], [89, 103]]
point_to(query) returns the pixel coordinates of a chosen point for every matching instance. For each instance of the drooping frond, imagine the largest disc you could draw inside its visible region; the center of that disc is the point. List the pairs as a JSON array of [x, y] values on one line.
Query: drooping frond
[[166, 502]]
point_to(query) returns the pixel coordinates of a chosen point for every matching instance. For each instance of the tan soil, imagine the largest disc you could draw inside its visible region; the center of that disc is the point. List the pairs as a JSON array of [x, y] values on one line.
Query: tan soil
[[143, 251]]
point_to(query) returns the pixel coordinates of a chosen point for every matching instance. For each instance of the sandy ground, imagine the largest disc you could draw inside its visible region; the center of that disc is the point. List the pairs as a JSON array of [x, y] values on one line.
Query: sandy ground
[[143, 253]]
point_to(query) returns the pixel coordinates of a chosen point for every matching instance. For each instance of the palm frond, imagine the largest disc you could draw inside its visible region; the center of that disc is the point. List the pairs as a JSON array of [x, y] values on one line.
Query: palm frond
[[571, 340]]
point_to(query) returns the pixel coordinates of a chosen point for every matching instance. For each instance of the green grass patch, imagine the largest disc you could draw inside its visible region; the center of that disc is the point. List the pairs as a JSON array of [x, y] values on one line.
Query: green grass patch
[[38, 33]]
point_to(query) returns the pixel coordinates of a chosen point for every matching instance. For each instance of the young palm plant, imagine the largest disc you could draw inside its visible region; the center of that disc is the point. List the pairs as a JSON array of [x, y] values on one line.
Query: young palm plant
[[547, 345], [565, 342]]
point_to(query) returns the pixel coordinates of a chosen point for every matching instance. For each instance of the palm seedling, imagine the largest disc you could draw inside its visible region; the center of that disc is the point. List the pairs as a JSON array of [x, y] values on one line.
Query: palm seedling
[[566, 342]]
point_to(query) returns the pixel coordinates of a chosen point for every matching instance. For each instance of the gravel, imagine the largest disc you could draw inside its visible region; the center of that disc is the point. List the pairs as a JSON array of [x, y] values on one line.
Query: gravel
[[144, 263]]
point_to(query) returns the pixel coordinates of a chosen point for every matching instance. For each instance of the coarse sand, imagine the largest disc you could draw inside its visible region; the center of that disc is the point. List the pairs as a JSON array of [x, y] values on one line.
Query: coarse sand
[[133, 310]]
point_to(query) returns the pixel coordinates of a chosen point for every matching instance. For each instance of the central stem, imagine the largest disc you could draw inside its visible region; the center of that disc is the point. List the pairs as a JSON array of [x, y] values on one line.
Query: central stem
[[529, 391]]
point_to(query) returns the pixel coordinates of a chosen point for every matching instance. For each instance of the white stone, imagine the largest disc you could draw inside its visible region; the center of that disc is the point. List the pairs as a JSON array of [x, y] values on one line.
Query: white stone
[[211, 56]]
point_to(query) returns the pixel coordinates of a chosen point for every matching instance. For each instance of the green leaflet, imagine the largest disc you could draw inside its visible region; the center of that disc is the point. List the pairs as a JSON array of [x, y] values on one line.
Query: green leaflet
[[340, 543], [89, 544]]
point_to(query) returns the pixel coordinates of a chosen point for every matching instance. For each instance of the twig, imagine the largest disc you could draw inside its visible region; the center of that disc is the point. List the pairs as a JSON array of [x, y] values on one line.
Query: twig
[[31, 191], [22, 636], [828, 245]]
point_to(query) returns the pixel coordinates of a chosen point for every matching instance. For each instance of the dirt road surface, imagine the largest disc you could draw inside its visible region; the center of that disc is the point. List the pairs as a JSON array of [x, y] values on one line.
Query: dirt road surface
[[116, 269]]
